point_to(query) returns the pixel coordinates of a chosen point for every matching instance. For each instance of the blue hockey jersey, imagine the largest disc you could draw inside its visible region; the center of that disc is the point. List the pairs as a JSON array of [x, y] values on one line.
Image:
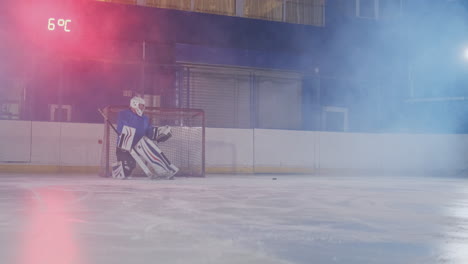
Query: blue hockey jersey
[[140, 123]]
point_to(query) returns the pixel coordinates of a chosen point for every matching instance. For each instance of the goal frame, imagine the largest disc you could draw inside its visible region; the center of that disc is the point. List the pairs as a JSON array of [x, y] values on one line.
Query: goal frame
[[105, 171]]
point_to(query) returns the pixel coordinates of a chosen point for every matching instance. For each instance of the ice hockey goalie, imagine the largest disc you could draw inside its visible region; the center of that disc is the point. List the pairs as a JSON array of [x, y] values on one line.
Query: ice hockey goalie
[[137, 145]]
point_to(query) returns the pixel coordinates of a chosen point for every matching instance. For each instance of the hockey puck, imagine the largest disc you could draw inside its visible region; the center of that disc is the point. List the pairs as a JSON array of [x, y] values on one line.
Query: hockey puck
[[273, 179]]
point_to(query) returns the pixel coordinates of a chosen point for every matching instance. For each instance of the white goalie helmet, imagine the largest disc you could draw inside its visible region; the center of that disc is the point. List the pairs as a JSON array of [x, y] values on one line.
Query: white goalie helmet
[[138, 105]]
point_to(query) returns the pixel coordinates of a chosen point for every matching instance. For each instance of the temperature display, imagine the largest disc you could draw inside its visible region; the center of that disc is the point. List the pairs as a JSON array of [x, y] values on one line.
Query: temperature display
[[59, 24]]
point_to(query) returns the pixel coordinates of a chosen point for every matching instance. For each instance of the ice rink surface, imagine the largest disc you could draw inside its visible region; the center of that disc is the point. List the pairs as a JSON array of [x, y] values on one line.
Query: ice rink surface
[[81, 219]]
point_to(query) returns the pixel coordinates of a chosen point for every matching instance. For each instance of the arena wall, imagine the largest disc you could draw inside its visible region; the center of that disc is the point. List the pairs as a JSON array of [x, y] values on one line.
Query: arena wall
[[27, 146]]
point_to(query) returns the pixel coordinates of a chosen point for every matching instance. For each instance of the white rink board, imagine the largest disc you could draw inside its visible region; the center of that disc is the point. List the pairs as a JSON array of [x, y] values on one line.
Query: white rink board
[[81, 149], [245, 150], [349, 150], [424, 152], [229, 148], [15, 140], [45, 145], [284, 149]]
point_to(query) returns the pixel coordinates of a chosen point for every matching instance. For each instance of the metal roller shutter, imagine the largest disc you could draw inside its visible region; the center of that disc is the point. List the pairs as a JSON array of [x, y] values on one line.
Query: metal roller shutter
[[224, 95], [279, 102]]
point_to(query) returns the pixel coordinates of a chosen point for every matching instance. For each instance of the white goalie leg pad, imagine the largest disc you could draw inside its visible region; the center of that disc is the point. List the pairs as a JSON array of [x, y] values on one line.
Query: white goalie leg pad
[[126, 138], [117, 170], [141, 164], [155, 158]]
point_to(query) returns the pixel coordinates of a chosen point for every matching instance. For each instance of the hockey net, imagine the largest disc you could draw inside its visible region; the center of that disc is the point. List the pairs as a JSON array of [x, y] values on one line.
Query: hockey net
[[185, 149]]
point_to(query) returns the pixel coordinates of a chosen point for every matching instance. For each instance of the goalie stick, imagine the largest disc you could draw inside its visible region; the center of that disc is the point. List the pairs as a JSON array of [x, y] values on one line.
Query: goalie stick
[[134, 154]]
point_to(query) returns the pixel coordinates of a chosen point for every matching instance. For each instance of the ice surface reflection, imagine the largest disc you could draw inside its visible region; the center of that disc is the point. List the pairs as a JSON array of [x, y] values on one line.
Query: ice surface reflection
[[49, 234], [233, 219], [454, 245]]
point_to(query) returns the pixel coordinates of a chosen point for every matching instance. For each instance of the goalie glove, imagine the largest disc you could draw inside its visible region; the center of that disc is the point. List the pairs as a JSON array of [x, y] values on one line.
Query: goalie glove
[[161, 134]]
